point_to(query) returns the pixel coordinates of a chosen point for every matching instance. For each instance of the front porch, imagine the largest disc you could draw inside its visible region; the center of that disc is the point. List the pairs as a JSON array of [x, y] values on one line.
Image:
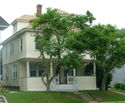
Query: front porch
[[70, 80]]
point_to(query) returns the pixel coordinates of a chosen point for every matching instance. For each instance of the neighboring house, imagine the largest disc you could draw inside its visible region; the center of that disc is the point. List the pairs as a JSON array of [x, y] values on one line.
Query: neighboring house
[[118, 76], [3, 26], [23, 68]]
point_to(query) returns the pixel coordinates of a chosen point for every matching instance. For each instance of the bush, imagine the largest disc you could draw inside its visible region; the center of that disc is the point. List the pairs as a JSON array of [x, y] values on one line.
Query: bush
[[4, 90], [122, 87], [117, 85]]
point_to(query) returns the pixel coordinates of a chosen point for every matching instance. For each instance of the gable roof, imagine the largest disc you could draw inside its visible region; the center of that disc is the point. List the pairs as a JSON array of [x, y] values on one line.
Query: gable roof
[[24, 18], [61, 11], [3, 24]]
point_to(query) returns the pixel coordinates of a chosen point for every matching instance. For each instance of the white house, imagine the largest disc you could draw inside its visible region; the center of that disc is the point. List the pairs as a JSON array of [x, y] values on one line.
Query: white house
[[23, 68]]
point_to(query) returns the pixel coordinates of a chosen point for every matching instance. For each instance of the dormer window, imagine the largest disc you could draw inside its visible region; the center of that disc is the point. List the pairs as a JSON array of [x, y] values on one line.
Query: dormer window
[[14, 28]]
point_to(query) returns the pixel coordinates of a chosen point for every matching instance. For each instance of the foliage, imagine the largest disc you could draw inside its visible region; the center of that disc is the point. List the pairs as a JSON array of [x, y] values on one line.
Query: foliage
[[72, 60], [104, 43], [4, 90], [119, 86]]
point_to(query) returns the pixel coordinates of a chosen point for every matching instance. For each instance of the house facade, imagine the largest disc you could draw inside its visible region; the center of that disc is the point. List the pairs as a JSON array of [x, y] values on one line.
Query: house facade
[[22, 67]]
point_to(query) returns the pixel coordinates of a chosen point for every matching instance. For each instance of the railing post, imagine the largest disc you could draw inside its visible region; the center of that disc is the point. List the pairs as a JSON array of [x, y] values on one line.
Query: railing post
[[74, 72]]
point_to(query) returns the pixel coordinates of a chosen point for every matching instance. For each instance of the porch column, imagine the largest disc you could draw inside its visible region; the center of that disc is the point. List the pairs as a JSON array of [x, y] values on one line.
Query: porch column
[[74, 72], [51, 69], [27, 69], [94, 68]]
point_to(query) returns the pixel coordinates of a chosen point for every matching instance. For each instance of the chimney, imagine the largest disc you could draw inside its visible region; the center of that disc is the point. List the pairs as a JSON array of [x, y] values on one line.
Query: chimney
[[39, 8]]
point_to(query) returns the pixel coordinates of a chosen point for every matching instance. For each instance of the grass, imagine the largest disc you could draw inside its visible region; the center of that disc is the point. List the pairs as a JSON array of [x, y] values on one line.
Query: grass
[[103, 96], [118, 90], [43, 97]]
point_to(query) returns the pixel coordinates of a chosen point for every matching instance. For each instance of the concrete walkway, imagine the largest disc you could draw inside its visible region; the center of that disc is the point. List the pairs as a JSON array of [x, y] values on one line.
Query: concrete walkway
[[119, 92]]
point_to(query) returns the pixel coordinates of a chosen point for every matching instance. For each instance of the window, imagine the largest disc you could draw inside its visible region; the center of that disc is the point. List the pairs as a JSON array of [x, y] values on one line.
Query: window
[[36, 46], [14, 71], [14, 28], [41, 70], [6, 72], [11, 49], [21, 45], [33, 68], [36, 70]]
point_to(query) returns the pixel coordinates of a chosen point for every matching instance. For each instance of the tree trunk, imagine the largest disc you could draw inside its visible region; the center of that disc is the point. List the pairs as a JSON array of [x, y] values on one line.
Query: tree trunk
[[104, 81], [48, 80], [48, 87]]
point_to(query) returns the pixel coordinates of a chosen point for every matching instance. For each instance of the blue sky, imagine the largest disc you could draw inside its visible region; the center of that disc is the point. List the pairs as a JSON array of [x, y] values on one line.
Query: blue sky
[[105, 11]]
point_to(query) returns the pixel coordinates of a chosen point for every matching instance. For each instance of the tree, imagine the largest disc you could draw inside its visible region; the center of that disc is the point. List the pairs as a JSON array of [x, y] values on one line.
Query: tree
[[104, 43], [52, 32]]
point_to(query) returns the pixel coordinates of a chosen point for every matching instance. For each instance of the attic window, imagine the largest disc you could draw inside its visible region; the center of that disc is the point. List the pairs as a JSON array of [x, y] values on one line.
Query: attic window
[[14, 28]]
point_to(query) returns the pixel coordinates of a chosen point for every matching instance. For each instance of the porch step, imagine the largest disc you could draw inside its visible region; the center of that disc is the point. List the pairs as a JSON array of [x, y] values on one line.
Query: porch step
[[65, 87]]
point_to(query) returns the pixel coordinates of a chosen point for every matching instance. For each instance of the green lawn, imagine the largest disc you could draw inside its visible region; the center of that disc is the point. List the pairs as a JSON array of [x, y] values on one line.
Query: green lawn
[[118, 90], [105, 95], [43, 97]]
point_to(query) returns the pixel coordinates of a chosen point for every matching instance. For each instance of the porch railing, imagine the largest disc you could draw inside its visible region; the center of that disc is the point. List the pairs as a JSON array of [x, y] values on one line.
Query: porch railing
[[70, 80]]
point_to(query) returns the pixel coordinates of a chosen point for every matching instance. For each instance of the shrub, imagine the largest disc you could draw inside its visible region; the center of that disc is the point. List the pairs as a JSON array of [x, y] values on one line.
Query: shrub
[[4, 90], [117, 85], [122, 86]]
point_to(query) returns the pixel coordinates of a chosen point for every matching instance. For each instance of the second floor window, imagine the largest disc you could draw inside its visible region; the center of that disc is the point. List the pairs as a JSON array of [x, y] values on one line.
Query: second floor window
[[21, 44], [11, 49], [36, 46]]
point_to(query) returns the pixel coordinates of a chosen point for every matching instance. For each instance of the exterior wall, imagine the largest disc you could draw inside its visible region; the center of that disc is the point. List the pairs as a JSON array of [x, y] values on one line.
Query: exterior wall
[[11, 81], [17, 54], [32, 84], [31, 52], [86, 82], [21, 25]]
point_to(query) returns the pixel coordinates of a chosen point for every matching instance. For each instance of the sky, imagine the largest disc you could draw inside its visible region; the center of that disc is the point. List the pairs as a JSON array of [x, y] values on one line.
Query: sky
[[105, 11]]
